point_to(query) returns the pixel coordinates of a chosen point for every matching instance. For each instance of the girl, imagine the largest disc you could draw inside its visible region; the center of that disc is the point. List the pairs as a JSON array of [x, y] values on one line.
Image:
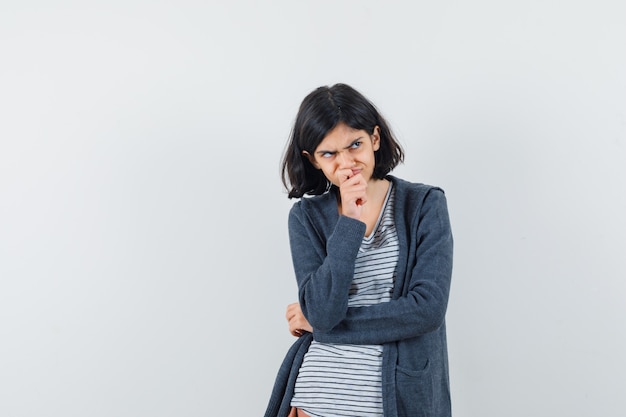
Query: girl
[[372, 256]]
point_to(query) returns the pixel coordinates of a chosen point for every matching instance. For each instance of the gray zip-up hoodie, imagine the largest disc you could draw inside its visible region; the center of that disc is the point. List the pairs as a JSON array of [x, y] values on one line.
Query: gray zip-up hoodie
[[411, 327]]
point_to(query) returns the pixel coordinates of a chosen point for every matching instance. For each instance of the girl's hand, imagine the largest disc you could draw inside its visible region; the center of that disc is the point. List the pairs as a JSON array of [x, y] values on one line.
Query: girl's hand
[[298, 324], [353, 191]]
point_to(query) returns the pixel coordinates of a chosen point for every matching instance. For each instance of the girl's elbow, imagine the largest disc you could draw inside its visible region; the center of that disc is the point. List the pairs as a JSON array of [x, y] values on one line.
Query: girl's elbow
[[433, 313], [324, 322], [324, 318]]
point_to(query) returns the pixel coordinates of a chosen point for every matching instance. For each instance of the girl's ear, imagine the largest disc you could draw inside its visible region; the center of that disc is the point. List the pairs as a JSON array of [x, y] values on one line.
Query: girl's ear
[[376, 138], [311, 159]]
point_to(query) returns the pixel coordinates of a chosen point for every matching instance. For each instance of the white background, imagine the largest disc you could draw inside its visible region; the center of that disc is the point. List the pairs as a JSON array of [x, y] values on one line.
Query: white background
[[144, 263]]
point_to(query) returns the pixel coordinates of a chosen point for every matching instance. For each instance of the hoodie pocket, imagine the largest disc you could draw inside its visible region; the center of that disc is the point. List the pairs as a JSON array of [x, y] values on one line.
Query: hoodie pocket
[[414, 391]]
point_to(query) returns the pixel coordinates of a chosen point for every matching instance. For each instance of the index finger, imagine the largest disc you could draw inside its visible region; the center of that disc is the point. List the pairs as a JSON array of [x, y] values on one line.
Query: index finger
[[344, 175]]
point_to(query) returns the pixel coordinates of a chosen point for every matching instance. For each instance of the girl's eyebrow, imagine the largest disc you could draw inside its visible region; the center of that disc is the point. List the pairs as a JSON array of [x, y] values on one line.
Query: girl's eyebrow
[[360, 138], [347, 147]]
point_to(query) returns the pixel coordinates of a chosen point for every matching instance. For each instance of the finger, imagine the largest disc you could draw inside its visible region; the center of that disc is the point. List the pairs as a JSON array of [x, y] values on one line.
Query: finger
[[354, 183], [292, 309], [344, 175], [356, 195], [295, 327]]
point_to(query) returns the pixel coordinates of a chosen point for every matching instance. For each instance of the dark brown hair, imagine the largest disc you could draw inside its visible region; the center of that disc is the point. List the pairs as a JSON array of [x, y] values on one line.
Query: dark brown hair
[[320, 112]]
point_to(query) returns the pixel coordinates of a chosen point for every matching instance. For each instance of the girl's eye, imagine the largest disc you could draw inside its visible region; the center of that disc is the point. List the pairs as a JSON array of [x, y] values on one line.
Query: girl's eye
[[356, 144], [327, 154]]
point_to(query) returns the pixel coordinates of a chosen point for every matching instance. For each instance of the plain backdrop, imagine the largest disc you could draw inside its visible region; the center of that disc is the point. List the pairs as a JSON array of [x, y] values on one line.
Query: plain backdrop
[[144, 261]]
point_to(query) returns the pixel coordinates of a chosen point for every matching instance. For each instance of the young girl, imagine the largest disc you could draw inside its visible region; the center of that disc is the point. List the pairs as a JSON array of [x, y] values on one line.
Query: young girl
[[372, 256]]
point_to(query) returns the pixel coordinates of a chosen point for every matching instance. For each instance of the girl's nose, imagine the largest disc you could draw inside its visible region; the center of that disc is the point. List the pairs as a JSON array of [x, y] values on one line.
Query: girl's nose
[[345, 160]]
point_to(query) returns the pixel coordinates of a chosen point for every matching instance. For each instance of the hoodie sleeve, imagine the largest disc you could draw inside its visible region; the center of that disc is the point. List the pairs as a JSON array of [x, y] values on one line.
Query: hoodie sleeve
[[323, 271]]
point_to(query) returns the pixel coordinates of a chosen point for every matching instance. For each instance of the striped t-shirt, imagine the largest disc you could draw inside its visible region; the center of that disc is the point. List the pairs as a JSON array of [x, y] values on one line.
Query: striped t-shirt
[[345, 380]]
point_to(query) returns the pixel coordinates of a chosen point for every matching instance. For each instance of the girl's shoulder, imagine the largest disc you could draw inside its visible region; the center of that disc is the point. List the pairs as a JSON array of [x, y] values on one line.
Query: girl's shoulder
[[413, 190], [316, 213], [320, 210], [317, 202]]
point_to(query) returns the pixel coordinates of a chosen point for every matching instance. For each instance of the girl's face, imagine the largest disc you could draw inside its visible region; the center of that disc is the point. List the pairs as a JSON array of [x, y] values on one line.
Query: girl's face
[[345, 152]]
